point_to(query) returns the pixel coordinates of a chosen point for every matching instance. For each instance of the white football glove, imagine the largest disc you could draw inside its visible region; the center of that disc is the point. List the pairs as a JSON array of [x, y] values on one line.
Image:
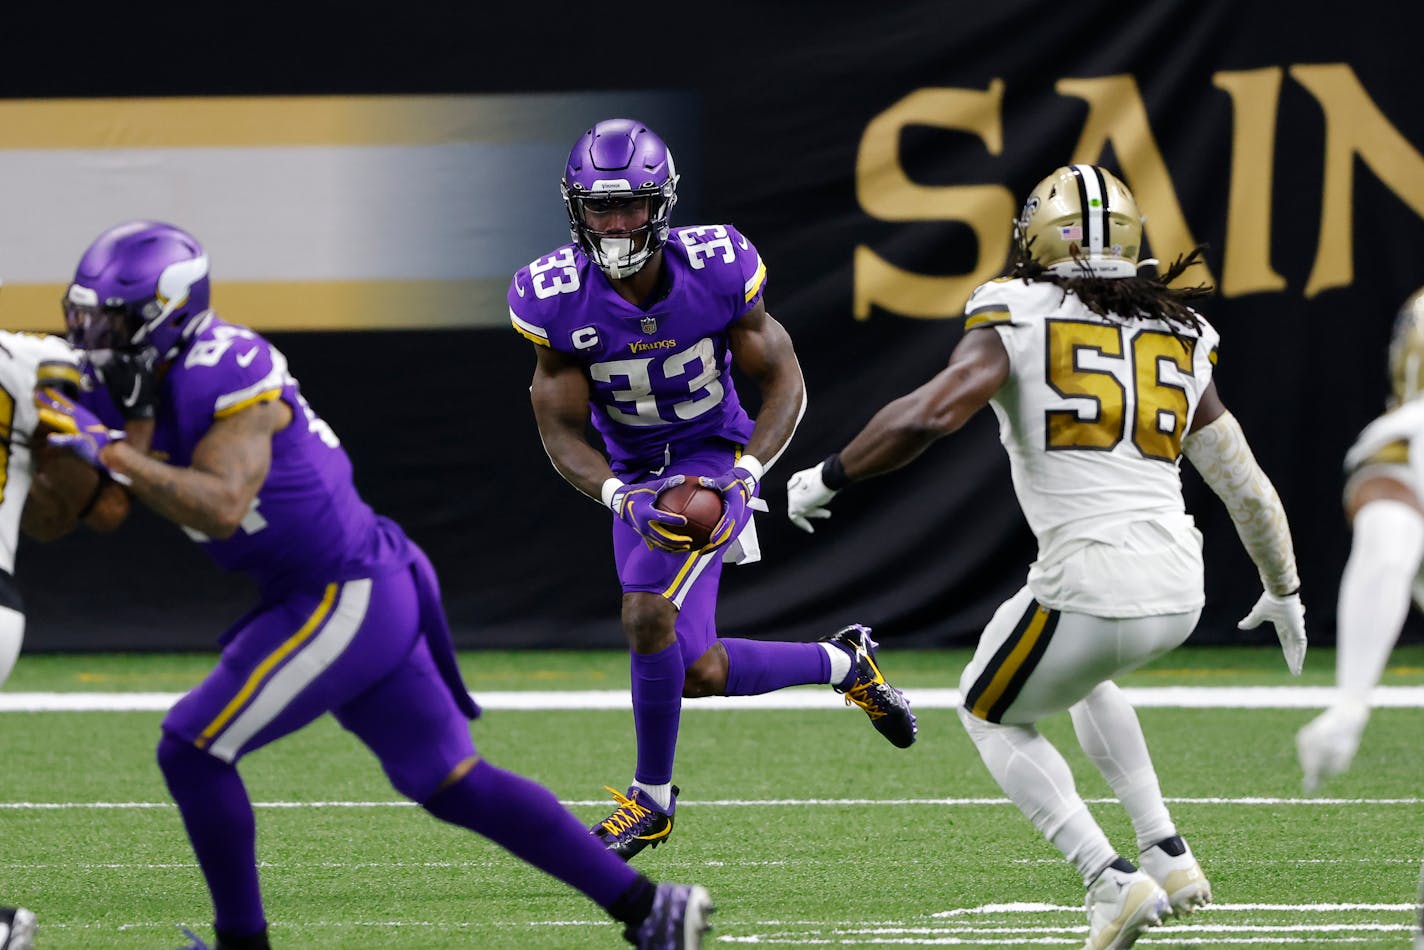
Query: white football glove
[[1327, 744], [1287, 615], [807, 497]]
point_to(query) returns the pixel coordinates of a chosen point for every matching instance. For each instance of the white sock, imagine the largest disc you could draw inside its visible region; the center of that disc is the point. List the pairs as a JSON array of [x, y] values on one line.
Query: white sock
[[1037, 779], [1109, 732], [840, 663], [662, 794]]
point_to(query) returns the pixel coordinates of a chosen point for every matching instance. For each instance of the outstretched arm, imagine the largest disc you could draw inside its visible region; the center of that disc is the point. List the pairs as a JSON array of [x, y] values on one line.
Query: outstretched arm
[[1385, 554], [904, 428]]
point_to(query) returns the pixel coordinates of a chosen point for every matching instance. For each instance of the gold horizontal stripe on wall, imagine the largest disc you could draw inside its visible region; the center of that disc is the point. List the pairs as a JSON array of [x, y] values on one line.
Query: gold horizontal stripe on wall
[[228, 121], [306, 305]]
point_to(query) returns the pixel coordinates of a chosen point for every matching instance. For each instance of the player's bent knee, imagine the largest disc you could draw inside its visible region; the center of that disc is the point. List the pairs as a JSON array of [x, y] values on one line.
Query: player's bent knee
[[649, 621], [421, 780], [707, 676], [700, 682], [973, 725], [180, 757]]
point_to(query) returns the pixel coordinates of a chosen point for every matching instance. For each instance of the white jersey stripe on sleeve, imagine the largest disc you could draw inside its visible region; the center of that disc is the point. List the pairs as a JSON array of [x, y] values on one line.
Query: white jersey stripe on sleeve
[[528, 330]]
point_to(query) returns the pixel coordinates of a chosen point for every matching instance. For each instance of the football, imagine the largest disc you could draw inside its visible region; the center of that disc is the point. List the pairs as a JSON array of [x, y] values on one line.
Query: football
[[702, 507]]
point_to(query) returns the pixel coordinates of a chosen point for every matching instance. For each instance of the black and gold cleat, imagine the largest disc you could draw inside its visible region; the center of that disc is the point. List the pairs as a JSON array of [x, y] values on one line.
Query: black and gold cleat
[[637, 823], [887, 707]]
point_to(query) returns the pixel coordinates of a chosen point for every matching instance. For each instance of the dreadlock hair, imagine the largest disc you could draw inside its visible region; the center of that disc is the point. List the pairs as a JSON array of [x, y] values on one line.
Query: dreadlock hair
[[1123, 299]]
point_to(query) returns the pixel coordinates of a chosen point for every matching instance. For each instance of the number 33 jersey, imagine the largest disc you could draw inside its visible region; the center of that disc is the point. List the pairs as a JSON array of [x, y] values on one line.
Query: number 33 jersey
[[659, 379], [1092, 416]]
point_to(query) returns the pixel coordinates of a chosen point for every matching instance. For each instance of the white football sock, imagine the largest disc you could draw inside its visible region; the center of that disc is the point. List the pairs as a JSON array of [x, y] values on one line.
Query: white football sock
[[840, 662], [1109, 732], [1037, 779], [662, 794]]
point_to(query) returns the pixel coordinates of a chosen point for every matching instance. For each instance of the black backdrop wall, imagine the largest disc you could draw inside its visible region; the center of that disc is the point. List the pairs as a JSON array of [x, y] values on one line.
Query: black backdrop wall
[[875, 154]]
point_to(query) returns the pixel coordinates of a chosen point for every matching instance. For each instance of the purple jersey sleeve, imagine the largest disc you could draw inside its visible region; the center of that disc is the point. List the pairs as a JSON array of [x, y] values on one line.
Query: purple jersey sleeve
[[307, 524], [730, 258], [225, 370]]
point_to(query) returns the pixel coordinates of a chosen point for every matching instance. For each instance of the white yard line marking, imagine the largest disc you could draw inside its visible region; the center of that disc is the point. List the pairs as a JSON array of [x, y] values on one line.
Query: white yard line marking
[[741, 803], [1034, 908], [808, 697]]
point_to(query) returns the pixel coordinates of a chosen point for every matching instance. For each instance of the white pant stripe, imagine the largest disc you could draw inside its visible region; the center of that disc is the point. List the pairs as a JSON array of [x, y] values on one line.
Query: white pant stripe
[[692, 576], [305, 665]]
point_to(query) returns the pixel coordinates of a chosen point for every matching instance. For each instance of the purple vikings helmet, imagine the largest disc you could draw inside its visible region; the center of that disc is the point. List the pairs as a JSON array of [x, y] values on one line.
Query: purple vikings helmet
[[616, 162], [138, 285]]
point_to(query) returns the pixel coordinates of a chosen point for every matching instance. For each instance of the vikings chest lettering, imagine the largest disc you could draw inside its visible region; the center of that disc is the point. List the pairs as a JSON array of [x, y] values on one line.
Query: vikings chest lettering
[[658, 381]]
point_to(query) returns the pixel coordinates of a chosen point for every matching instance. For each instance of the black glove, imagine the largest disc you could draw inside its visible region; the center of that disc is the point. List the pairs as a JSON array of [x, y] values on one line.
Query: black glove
[[132, 383]]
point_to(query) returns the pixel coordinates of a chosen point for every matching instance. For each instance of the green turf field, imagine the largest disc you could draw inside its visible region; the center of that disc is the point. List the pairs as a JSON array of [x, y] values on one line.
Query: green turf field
[[809, 829]]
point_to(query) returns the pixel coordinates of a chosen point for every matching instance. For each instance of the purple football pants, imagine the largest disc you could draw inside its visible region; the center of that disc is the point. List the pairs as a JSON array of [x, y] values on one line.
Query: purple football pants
[[356, 649], [690, 582]]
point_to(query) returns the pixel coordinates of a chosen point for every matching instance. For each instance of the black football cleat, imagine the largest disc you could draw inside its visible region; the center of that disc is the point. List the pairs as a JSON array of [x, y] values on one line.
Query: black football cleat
[[887, 707], [637, 823]]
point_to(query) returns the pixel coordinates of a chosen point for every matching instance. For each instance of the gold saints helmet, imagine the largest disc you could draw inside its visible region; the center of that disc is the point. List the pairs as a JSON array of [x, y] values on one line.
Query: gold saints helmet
[[1082, 222], [1406, 350]]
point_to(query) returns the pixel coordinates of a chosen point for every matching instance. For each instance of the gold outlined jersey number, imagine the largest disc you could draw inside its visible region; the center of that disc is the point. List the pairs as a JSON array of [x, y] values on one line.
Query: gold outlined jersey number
[[1157, 404]]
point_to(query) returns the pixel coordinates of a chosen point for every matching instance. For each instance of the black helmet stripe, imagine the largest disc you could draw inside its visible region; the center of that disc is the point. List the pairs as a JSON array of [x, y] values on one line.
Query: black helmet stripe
[[1093, 193]]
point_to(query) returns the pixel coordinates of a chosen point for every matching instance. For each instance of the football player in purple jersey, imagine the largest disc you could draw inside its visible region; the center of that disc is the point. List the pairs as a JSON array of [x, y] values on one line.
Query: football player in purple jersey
[[636, 325], [350, 619]]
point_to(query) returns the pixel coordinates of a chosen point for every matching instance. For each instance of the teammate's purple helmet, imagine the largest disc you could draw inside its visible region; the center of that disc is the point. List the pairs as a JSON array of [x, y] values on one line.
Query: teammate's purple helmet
[[620, 160], [137, 285]]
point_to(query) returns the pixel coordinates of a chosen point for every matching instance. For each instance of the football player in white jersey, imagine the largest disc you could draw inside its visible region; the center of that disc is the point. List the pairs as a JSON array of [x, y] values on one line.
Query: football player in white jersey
[[1384, 500], [1101, 381], [26, 361]]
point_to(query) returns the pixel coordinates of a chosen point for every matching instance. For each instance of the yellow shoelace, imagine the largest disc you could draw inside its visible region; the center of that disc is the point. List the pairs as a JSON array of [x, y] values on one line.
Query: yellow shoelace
[[629, 813], [861, 695]]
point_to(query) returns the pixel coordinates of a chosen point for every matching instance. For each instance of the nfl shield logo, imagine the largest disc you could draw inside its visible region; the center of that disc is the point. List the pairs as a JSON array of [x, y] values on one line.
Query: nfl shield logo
[[650, 325]]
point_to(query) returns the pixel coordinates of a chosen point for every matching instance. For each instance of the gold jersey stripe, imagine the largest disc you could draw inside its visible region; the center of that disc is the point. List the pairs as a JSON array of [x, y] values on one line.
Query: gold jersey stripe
[[254, 681], [1012, 663], [757, 279], [984, 318], [1211, 357], [532, 338], [1396, 453], [250, 401]]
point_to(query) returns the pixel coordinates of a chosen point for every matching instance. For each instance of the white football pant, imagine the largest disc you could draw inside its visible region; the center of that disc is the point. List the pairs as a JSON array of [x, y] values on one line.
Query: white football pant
[[1032, 662], [12, 634]]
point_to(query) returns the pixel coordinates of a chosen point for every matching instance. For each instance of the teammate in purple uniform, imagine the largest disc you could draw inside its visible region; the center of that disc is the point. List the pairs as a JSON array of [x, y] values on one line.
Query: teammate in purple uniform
[[636, 324], [350, 618]]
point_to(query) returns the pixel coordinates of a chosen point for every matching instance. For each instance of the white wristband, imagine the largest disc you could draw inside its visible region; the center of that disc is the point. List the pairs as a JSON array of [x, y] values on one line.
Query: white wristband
[[753, 465], [610, 485]]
